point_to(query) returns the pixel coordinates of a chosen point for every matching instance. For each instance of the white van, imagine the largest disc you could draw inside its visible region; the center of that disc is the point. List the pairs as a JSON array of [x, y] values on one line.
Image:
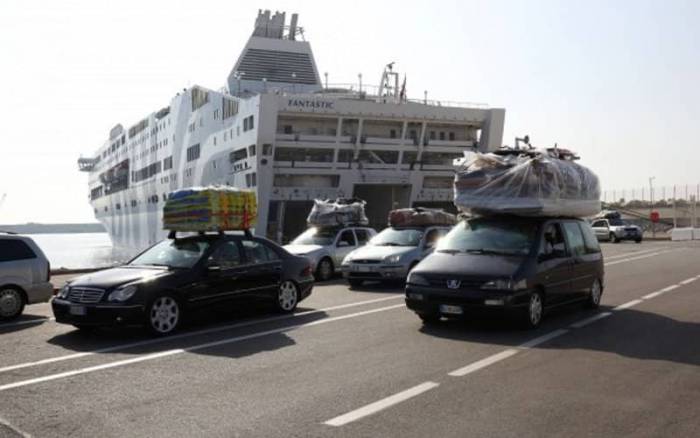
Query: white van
[[24, 275]]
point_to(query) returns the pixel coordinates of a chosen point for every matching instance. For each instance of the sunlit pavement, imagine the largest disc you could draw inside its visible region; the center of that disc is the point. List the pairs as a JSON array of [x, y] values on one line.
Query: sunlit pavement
[[357, 363]]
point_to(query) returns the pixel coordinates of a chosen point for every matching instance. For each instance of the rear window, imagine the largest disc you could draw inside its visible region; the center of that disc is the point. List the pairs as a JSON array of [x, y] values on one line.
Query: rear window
[[575, 238], [589, 239], [13, 249]]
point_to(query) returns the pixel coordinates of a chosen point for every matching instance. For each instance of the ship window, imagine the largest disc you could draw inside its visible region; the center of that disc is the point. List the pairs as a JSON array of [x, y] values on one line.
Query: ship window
[[413, 134], [230, 108], [119, 206], [442, 135], [193, 152], [251, 125], [432, 135], [345, 155], [452, 136], [288, 129], [251, 150], [245, 124], [254, 177], [378, 157], [267, 149], [199, 98], [216, 114], [214, 140], [238, 155], [312, 155], [392, 133]]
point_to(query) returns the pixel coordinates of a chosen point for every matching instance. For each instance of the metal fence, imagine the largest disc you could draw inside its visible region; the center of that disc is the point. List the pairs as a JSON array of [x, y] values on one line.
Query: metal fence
[[676, 205]]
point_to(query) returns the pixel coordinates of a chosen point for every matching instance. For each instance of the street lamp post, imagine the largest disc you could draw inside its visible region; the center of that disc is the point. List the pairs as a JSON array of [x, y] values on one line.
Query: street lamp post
[[651, 205], [294, 82]]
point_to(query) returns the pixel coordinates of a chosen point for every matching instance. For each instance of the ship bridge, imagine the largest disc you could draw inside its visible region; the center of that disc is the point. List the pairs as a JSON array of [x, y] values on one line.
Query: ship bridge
[[276, 56]]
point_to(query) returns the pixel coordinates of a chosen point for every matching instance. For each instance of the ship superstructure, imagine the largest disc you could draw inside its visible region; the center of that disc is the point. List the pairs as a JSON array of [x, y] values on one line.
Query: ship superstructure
[[278, 130]]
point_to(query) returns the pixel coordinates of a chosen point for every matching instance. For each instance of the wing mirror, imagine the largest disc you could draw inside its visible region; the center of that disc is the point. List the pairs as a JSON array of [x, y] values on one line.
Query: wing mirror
[[213, 268]]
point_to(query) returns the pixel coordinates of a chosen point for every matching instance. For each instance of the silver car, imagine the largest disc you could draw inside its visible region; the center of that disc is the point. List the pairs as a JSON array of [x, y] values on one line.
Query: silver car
[[24, 275], [327, 247], [391, 254], [616, 230]]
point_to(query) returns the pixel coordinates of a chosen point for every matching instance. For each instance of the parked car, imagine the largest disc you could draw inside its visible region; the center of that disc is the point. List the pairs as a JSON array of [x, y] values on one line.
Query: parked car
[[521, 266], [616, 230], [391, 254], [327, 247], [25, 275], [175, 276]]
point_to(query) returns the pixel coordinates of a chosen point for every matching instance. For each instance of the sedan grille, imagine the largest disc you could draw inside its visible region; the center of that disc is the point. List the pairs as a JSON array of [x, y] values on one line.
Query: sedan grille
[[366, 262], [85, 295]]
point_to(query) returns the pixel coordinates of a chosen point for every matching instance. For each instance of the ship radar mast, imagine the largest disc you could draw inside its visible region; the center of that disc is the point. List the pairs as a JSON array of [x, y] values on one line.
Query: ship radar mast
[[389, 89]]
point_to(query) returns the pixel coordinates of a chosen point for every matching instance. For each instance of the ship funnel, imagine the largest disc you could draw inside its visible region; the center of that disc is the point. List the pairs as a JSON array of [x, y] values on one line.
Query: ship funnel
[[293, 27]]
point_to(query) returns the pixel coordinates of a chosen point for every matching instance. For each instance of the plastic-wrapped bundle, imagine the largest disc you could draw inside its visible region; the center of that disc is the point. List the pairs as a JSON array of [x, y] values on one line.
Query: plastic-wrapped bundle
[[340, 212], [527, 183], [212, 208], [419, 217]]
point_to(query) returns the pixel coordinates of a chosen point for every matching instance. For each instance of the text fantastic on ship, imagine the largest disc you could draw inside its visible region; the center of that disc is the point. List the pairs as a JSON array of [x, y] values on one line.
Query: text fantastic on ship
[[303, 103]]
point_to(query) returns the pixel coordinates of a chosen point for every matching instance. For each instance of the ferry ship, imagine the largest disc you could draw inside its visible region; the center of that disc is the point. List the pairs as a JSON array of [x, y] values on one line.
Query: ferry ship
[[280, 131]]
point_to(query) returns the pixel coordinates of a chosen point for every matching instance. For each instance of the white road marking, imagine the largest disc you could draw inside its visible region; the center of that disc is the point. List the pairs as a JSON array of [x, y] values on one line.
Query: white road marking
[[483, 363], [590, 320], [542, 339], [189, 334], [631, 259], [652, 295], [627, 305], [635, 253], [669, 288], [14, 429], [166, 353], [27, 322], [382, 404], [688, 281]]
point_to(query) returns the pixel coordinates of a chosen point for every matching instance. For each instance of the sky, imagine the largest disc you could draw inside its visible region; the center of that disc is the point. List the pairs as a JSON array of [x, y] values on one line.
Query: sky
[[617, 81]]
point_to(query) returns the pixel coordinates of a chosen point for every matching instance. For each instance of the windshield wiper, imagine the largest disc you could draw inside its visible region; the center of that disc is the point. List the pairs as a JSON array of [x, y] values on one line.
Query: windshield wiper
[[488, 251], [449, 251]]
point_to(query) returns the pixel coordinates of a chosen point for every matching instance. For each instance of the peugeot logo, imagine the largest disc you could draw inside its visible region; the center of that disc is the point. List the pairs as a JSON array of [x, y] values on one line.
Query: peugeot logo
[[453, 284]]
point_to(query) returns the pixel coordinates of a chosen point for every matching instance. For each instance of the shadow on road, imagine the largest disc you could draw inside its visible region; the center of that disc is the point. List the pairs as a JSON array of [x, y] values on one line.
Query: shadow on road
[[203, 327], [24, 322], [630, 333]]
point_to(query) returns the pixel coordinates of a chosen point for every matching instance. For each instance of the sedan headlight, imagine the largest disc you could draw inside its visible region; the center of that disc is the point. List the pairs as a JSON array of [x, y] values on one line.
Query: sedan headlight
[[505, 284], [123, 293], [392, 258], [417, 280], [64, 292]]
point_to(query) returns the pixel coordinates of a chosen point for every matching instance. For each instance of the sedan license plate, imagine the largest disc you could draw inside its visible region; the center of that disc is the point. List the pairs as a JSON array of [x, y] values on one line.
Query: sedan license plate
[[77, 310], [362, 268], [452, 310]]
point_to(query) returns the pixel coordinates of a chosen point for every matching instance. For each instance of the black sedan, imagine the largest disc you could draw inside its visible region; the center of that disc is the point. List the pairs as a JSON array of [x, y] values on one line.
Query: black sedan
[[176, 275]]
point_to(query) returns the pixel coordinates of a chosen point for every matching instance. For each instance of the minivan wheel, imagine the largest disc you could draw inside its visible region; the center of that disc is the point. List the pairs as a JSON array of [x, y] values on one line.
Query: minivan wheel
[[11, 303], [613, 238], [594, 295], [535, 309], [164, 315], [287, 296], [325, 269]]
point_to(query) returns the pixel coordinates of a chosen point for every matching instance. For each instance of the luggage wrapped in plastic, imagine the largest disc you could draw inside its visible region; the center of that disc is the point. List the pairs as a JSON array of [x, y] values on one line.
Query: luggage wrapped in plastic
[[214, 208], [419, 217], [340, 212], [527, 183]]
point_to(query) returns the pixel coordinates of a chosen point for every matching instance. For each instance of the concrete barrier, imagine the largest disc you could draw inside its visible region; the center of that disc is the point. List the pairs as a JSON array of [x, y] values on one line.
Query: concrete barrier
[[682, 234], [696, 233]]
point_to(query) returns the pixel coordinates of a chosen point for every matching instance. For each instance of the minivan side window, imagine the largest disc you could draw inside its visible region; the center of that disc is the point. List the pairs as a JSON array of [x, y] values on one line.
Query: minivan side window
[[575, 238], [589, 239], [13, 249], [553, 244]]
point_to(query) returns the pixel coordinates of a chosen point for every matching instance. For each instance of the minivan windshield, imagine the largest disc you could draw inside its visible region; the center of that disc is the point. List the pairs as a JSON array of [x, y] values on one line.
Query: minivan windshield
[[183, 253], [314, 236], [397, 237], [490, 236]]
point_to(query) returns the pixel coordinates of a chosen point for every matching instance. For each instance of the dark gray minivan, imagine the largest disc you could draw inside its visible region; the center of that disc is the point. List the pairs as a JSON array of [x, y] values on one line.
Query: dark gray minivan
[[522, 266]]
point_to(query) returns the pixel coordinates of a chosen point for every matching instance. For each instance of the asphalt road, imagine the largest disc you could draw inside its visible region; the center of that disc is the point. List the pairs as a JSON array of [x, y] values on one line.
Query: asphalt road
[[357, 363]]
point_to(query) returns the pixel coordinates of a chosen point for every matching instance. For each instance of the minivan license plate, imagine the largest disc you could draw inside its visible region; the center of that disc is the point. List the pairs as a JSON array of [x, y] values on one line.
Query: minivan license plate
[[454, 310], [77, 310]]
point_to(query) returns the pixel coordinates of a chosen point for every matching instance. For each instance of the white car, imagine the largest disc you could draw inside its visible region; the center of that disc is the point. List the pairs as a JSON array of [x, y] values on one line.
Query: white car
[[24, 275], [616, 230], [327, 247]]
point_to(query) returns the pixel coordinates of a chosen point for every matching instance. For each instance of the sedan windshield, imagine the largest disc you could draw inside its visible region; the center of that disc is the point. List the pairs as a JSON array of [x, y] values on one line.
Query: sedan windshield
[[314, 236], [173, 254], [397, 237], [490, 236], [616, 222]]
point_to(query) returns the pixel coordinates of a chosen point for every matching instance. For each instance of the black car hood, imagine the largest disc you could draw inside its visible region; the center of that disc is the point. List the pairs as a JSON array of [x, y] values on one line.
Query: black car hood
[[117, 276], [470, 265]]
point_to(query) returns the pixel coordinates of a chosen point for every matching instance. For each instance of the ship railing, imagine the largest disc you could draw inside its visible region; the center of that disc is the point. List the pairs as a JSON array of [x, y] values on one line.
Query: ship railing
[[371, 92]]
